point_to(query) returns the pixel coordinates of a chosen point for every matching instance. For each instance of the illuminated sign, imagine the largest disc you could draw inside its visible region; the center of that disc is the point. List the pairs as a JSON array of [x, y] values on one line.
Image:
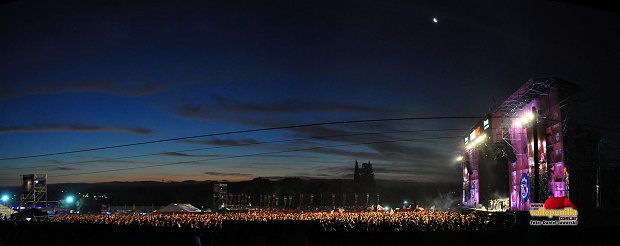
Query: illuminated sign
[[477, 131]]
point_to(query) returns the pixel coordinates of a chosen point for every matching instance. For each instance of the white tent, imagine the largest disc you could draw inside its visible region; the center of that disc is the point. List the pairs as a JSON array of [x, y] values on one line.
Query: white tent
[[4, 210], [178, 208]]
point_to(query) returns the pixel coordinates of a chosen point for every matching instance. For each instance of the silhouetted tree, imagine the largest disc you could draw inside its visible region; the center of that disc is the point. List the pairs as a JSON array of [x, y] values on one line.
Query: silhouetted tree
[[367, 176], [356, 173]]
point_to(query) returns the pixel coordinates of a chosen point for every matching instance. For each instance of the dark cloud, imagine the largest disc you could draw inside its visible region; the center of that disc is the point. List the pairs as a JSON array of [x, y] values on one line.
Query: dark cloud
[[228, 174], [282, 177], [346, 153], [103, 160], [205, 112], [416, 163], [227, 109], [354, 133], [384, 151], [294, 106], [337, 171], [126, 89], [180, 154], [54, 161], [322, 131], [306, 158], [64, 169], [415, 158], [114, 161], [224, 142], [175, 154], [407, 150], [230, 142], [283, 156], [73, 128], [193, 111]]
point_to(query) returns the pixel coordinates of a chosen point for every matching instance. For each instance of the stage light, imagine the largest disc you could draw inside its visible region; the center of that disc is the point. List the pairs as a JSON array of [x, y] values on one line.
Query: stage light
[[5, 198], [69, 199], [405, 202], [524, 120], [460, 158], [517, 123], [529, 116]]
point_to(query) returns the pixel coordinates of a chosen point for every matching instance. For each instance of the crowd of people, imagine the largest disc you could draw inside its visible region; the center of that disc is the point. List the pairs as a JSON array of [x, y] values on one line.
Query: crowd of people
[[328, 221]]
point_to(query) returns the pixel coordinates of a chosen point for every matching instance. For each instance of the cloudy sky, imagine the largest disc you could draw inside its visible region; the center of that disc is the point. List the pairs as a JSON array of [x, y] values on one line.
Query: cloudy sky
[[77, 75]]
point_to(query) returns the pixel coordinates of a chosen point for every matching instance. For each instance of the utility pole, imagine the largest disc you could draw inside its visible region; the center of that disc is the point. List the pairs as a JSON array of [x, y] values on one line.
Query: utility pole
[[536, 164]]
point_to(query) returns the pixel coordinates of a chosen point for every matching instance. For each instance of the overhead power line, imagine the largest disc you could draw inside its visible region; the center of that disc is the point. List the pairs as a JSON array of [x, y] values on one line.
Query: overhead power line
[[255, 154], [241, 131], [230, 146]]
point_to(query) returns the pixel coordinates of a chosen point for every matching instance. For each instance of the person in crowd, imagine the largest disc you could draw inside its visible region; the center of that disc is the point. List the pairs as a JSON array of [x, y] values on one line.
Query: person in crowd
[[419, 220]]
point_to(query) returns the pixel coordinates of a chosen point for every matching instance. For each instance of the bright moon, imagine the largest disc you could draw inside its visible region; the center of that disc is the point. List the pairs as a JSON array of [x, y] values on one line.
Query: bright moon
[[435, 20]]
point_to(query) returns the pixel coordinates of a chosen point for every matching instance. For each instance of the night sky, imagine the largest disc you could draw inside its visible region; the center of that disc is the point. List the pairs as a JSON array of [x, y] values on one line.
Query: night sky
[[87, 74]]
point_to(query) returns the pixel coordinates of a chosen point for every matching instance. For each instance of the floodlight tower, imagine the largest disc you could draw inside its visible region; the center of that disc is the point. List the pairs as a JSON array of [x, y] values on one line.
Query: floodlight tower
[[34, 191], [220, 194]]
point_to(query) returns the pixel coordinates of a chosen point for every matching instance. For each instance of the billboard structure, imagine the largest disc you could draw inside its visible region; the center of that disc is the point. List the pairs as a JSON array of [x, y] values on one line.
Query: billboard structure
[[529, 131]]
